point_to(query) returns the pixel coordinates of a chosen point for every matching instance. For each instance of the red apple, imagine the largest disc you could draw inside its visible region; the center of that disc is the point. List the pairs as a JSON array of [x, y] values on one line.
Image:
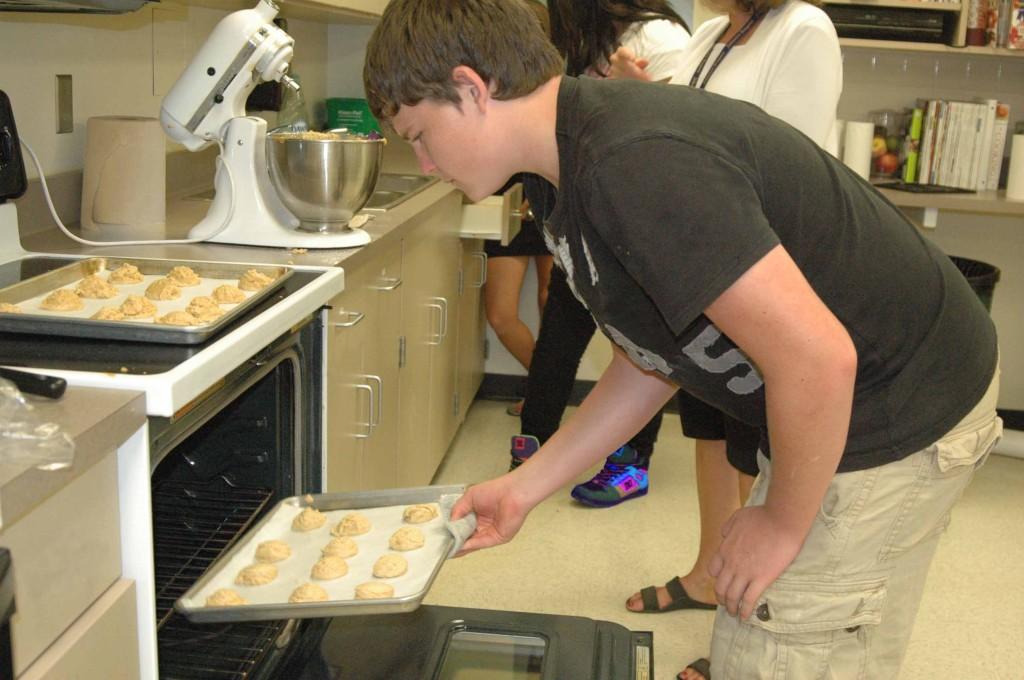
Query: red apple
[[887, 163]]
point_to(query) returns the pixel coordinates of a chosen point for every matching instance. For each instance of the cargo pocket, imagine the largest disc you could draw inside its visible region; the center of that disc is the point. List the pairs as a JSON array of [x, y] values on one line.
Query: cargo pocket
[[969, 448], [807, 629]]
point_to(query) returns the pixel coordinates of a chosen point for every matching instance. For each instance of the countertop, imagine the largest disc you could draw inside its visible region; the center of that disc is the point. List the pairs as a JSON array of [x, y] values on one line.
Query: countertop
[[98, 420]]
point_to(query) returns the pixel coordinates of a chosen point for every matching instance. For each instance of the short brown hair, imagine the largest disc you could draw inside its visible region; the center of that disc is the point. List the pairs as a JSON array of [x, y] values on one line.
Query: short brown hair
[[417, 43]]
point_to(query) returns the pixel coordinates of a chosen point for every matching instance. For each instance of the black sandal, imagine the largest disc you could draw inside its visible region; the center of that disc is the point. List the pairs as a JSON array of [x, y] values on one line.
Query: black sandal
[[702, 666], [680, 599]]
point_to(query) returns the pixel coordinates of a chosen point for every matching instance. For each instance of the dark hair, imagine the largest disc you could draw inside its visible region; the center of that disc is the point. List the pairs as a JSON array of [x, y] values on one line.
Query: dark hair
[[417, 44], [586, 32]]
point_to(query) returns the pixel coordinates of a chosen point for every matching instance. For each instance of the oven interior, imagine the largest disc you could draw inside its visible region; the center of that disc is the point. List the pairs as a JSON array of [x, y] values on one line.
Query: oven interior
[[219, 467]]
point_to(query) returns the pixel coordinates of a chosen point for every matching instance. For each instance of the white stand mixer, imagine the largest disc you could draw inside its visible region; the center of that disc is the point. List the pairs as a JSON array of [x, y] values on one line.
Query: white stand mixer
[[207, 106]]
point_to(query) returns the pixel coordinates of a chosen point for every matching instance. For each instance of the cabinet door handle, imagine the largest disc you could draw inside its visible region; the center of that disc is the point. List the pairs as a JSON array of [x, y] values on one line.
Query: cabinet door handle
[[352, 319], [380, 397], [483, 268], [389, 283], [442, 304], [369, 423], [440, 316]]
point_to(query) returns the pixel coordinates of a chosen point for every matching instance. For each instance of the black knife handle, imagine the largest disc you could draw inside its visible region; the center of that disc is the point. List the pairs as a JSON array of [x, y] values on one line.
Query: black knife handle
[[33, 383]]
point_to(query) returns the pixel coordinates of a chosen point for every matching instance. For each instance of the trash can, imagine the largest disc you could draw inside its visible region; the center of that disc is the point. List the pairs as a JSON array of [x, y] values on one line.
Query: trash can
[[981, 276]]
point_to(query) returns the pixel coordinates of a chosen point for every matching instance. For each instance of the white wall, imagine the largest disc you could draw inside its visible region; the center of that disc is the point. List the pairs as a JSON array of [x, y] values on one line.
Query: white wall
[[120, 65]]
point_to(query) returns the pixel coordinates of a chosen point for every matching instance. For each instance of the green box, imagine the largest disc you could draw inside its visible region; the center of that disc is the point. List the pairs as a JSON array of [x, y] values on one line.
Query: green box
[[351, 113]]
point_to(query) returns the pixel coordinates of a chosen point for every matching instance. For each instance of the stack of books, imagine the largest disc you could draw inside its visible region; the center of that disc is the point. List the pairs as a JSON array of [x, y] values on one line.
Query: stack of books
[[957, 144]]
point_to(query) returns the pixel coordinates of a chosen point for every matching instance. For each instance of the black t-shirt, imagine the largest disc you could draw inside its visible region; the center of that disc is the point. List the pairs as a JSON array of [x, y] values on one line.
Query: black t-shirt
[[669, 194]]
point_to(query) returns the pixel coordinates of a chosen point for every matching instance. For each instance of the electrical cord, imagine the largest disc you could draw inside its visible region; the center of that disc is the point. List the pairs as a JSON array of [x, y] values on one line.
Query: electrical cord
[[79, 239]]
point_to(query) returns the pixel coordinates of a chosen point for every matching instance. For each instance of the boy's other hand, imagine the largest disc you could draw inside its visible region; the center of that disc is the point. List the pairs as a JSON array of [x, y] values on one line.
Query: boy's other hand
[[500, 512], [755, 549]]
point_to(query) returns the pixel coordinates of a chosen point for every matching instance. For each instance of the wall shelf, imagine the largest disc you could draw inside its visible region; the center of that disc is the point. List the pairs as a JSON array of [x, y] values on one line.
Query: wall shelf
[[912, 4], [929, 47], [989, 202]]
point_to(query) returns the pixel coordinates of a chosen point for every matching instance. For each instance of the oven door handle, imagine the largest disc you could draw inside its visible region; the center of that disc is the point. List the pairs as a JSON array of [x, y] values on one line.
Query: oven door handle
[[369, 423], [353, 319]]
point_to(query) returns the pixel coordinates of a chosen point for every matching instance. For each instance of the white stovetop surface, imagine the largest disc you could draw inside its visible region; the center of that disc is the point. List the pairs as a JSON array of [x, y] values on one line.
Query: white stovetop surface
[[168, 392]]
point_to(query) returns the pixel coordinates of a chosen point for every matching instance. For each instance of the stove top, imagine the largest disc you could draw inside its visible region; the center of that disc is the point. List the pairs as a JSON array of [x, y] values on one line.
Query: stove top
[[110, 356]]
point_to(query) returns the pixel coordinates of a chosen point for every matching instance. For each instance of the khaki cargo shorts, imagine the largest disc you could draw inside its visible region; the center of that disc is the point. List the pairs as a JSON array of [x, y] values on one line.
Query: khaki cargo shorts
[[845, 608]]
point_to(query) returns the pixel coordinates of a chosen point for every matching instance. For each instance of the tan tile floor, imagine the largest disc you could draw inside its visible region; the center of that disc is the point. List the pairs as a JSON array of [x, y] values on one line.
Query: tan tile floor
[[574, 560]]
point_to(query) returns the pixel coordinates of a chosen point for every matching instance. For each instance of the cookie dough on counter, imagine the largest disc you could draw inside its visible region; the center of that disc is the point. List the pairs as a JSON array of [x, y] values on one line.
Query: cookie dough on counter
[[93, 287], [228, 294], [126, 273], [178, 318], [184, 276], [374, 590], [109, 314], [254, 280], [8, 308], [204, 308], [137, 307], [418, 514], [163, 289], [62, 300], [390, 566]]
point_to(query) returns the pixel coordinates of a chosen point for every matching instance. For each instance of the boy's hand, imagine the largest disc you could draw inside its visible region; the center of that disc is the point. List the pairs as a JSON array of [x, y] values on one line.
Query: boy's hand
[[500, 512], [624, 64], [755, 549]]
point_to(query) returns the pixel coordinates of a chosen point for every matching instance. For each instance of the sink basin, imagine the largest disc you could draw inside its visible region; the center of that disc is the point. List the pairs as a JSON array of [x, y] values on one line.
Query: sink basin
[[392, 189]]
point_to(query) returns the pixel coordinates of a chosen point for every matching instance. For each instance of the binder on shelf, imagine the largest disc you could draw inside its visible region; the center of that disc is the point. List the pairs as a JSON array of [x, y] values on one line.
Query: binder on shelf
[[985, 148], [913, 145], [999, 133]]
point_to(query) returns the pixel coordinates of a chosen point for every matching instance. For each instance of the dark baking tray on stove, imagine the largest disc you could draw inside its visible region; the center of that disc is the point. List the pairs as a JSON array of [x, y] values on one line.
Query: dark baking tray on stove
[[75, 325]]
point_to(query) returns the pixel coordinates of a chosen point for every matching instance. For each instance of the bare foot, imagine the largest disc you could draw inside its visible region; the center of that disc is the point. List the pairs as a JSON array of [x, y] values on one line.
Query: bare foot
[[700, 590]]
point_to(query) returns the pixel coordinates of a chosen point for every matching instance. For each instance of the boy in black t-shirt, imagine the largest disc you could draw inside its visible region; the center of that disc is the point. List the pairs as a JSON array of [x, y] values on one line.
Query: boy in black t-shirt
[[722, 251]]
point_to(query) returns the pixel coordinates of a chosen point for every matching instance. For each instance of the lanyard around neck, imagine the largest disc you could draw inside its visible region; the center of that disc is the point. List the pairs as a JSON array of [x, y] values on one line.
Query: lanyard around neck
[[745, 29]]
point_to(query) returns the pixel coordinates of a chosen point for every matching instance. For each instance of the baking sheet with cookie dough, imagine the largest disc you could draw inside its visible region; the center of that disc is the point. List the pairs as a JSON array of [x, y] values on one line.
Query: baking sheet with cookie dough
[[28, 296], [384, 509]]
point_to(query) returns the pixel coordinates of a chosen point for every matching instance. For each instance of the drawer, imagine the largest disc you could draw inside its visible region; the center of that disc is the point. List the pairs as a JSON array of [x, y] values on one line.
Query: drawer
[[65, 553], [102, 643], [496, 218]]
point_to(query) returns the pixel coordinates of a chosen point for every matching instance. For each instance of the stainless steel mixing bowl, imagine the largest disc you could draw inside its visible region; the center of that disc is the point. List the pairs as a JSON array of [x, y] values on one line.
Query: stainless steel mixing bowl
[[324, 179]]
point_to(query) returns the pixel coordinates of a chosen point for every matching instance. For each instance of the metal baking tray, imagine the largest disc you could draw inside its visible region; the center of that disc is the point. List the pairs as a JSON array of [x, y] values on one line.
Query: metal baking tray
[[270, 602], [27, 293]]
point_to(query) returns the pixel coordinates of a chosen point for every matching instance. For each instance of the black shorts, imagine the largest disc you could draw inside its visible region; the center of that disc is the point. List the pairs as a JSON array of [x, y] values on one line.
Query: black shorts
[[703, 421], [527, 243]]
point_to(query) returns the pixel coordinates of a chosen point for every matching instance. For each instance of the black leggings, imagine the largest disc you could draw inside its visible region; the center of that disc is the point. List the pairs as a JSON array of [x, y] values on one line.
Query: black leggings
[[566, 328]]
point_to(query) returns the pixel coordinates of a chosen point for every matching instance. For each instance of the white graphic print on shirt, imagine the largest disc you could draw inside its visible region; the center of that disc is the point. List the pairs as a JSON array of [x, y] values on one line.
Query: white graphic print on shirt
[[697, 348], [645, 359], [590, 261]]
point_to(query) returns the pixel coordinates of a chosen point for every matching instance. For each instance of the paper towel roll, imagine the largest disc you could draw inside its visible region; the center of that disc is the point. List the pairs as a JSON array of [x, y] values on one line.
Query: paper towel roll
[[1015, 178], [124, 178], [857, 140]]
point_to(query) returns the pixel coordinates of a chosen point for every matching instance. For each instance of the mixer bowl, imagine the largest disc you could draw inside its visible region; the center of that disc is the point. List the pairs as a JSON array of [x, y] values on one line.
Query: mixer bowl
[[323, 178]]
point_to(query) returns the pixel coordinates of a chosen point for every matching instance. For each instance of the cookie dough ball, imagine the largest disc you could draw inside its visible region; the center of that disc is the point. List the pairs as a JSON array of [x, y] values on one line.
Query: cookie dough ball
[[352, 524], [254, 280], [308, 592], [109, 314], [178, 318], [204, 308], [8, 308], [137, 307], [184, 276], [308, 519], [163, 289], [272, 551], [418, 514], [390, 566], [62, 300], [406, 538], [328, 568], [374, 590], [343, 546], [95, 288], [225, 597], [126, 273], [228, 294], [256, 575]]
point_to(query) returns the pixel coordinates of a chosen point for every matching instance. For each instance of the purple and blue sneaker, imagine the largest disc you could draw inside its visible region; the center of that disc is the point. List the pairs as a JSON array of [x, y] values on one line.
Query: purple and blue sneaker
[[523, 446], [624, 476]]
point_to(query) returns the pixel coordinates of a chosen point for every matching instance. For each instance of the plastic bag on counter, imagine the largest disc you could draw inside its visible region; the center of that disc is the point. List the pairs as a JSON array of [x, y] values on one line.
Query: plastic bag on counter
[[26, 440]]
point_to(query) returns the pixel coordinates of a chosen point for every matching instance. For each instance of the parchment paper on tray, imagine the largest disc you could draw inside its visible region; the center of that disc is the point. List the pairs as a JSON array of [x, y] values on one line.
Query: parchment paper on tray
[[384, 509]]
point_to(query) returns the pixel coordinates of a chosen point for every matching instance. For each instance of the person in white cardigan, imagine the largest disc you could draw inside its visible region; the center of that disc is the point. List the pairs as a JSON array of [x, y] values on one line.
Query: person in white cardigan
[[784, 57]]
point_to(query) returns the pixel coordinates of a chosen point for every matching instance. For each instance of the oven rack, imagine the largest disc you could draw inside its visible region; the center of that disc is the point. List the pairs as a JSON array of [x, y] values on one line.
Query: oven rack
[[193, 524]]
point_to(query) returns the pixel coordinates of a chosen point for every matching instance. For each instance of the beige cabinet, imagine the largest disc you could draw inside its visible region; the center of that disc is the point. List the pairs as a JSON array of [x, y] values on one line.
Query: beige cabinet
[[472, 327], [395, 368]]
